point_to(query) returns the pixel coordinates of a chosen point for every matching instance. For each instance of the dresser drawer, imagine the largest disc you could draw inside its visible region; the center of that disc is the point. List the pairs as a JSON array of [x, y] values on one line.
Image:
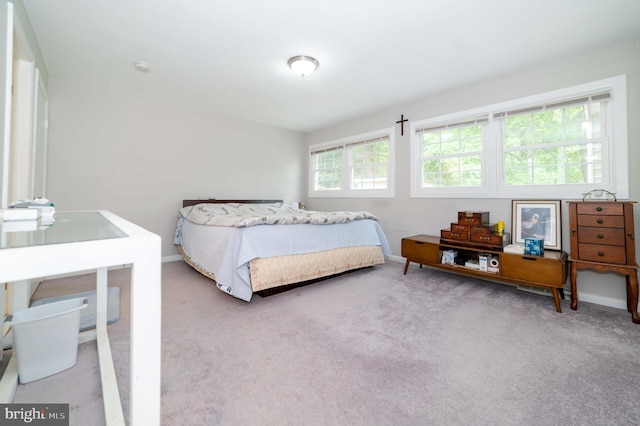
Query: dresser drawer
[[447, 234], [605, 236], [483, 229], [603, 221], [492, 239], [460, 228], [473, 218], [419, 251], [615, 209], [602, 253], [528, 268]]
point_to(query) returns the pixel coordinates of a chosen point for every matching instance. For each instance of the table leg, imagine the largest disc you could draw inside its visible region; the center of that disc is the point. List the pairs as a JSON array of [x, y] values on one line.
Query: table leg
[[145, 351], [556, 299], [632, 295], [406, 266], [574, 287], [110, 392], [101, 298]]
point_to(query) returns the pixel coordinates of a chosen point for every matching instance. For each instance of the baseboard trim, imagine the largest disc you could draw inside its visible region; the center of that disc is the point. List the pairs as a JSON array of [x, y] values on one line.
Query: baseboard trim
[[602, 300], [171, 258]]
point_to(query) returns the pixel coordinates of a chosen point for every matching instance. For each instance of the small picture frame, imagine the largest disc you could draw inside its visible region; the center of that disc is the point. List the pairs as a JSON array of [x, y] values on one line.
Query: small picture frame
[[537, 219]]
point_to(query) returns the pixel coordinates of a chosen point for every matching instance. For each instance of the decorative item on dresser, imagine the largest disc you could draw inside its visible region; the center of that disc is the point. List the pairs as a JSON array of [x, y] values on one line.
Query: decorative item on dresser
[[603, 239], [537, 219], [474, 230]]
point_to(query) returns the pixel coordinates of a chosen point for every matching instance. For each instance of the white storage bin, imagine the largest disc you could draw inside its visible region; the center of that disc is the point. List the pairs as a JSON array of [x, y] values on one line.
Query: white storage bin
[[45, 338]]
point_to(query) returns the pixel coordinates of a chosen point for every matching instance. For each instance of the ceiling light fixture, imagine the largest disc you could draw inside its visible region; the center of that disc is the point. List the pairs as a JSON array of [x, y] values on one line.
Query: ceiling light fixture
[[303, 65], [142, 66]]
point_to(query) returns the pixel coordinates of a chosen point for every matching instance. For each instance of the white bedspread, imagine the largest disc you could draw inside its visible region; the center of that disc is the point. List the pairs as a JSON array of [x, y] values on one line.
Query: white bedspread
[[229, 258]]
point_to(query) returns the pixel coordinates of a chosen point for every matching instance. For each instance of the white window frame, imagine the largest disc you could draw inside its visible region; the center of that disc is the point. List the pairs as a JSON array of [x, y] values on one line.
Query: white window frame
[[345, 184], [453, 120], [493, 187]]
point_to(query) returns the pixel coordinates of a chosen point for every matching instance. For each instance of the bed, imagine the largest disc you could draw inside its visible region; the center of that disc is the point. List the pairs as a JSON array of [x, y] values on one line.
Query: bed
[[260, 246]]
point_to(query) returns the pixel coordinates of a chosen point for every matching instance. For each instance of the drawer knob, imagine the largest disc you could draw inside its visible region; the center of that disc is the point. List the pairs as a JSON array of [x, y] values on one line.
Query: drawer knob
[[600, 253], [599, 209], [600, 221], [600, 236]]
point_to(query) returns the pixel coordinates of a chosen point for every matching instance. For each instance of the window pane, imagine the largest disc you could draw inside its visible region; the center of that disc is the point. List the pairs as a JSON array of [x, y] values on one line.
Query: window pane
[[449, 179], [327, 180], [517, 159], [430, 150], [430, 180], [452, 157], [518, 176], [449, 148], [471, 162], [472, 144], [327, 174], [572, 137], [547, 175], [471, 178], [369, 165], [548, 156]]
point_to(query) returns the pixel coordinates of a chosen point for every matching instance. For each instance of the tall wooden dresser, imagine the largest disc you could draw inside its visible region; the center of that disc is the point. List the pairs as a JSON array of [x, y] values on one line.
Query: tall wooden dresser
[[603, 239]]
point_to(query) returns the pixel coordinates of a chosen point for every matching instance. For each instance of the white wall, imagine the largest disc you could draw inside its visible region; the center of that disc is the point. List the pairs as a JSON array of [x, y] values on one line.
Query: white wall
[[404, 216], [119, 148]]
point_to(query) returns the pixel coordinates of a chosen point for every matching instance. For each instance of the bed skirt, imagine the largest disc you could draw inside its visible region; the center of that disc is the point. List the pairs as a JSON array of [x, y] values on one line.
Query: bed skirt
[[272, 272]]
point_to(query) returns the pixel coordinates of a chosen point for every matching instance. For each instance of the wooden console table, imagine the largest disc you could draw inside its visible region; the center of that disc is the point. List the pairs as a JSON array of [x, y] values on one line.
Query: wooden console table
[[548, 271]]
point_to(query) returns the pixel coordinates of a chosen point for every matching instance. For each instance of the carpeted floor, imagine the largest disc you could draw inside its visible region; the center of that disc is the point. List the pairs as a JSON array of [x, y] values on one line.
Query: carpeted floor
[[371, 347]]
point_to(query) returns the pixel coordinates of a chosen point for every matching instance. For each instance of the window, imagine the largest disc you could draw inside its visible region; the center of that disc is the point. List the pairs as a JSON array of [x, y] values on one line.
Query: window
[[359, 166], [561, 144], [556, 144], [451, 155]]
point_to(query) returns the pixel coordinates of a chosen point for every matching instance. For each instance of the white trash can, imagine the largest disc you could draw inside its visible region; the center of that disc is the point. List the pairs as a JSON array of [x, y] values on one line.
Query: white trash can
[[45, 338]]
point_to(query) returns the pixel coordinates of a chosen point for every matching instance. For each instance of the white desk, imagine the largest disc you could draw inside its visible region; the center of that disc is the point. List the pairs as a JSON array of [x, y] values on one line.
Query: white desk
[[96, 240]]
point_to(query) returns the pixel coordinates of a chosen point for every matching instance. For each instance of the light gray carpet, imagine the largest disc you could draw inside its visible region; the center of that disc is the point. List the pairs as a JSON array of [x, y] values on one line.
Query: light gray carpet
[[371, 347]]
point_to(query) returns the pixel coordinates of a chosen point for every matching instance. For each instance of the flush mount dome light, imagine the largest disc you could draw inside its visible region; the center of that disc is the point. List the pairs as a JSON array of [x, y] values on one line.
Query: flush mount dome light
[[303, 65]]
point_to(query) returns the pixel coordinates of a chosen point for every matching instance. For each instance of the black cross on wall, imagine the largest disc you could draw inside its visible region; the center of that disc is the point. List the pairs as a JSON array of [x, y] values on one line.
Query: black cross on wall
[[401, 121]]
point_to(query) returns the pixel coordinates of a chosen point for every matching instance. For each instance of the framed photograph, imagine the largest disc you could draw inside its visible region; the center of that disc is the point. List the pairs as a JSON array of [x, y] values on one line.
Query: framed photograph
[[537, 219]]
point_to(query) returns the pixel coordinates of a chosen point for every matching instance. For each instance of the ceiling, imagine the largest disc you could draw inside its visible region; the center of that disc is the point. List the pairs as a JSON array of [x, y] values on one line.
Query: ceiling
[[230, 56]]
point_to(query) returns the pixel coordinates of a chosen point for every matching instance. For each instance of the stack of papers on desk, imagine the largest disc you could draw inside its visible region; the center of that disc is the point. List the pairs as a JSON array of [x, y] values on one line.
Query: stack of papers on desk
[[27, 215], [20, 214], [45, 208], [20, 225]]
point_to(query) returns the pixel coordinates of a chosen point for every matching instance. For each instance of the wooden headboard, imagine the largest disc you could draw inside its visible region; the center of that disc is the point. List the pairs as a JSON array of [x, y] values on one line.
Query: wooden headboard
[[186, 203]]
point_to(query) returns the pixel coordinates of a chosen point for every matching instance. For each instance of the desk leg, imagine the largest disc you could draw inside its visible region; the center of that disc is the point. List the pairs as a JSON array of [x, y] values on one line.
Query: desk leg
[[146, 312], [101, 298], [110, 392], [632, 295], [574, 287]]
